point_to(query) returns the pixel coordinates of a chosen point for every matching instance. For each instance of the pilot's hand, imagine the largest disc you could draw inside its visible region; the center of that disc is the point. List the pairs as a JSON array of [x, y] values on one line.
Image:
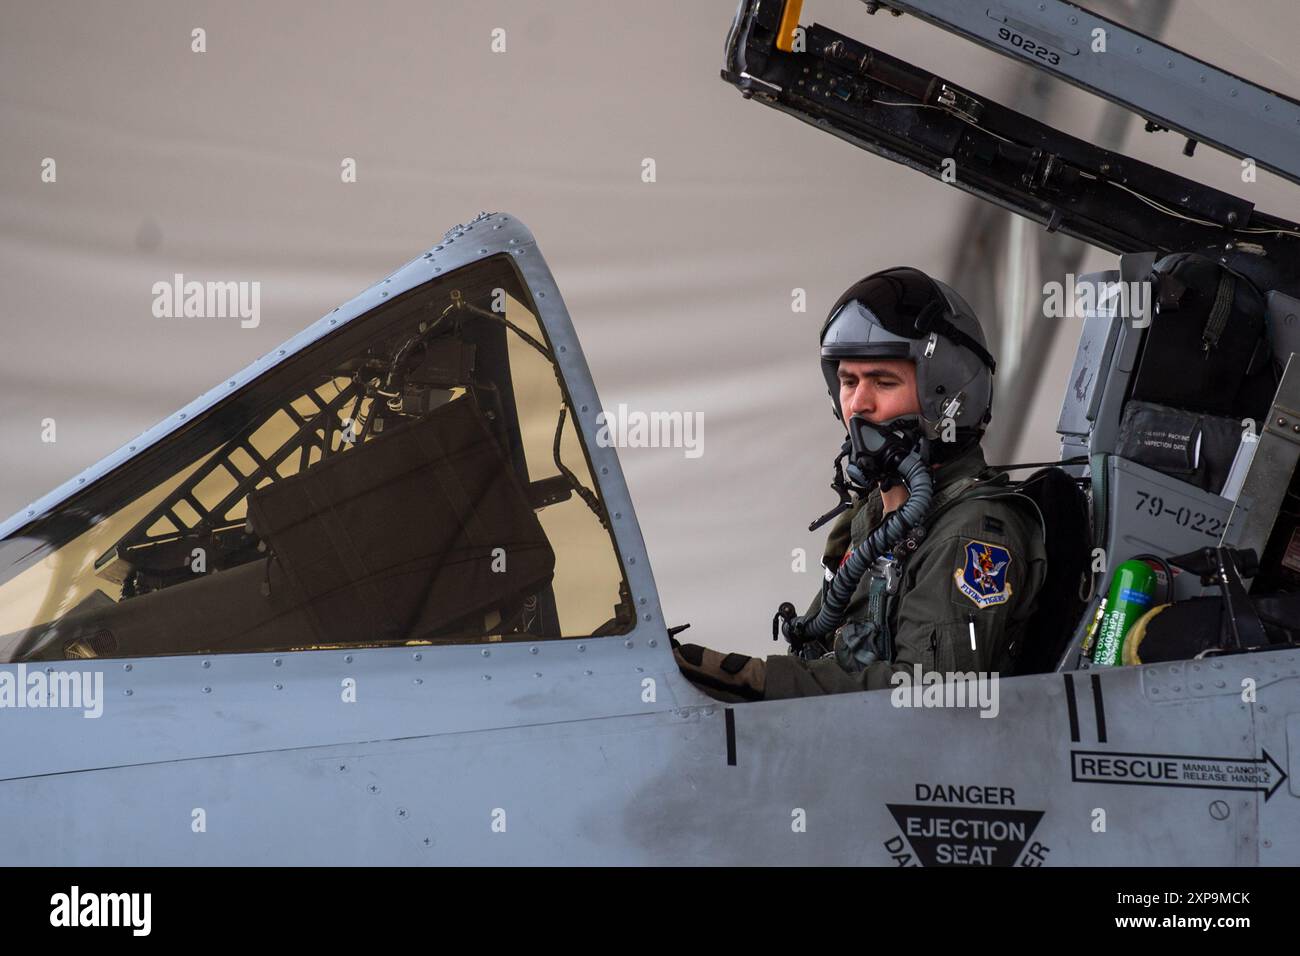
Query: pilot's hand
[[726, 677]]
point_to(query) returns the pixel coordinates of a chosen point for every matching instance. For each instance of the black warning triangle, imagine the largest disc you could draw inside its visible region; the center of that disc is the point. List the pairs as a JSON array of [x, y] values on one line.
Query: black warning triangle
[[965, 836]]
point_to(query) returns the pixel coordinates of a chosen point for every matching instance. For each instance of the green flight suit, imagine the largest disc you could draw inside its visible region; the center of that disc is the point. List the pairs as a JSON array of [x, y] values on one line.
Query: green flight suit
[[982, 562]]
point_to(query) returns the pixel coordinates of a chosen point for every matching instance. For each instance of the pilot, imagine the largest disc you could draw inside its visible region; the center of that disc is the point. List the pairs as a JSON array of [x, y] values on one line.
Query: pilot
[[900, 347]]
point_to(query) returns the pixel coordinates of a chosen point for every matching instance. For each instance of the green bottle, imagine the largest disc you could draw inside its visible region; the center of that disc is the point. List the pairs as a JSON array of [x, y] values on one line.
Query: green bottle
[[1132, 590]]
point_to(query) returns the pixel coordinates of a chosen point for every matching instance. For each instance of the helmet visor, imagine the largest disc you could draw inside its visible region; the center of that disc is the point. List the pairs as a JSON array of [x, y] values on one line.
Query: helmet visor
[[901, 301]]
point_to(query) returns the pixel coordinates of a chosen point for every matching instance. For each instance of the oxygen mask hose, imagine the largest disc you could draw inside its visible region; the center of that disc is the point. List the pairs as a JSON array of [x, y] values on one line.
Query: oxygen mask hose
[[920, 494]]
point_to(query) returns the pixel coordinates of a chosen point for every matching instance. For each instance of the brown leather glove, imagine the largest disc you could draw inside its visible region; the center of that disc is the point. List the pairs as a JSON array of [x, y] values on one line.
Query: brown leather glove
[[727, 677]]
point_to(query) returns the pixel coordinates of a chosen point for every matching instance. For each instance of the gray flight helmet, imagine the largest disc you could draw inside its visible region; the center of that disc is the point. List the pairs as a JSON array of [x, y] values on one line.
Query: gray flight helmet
[[902, 313]]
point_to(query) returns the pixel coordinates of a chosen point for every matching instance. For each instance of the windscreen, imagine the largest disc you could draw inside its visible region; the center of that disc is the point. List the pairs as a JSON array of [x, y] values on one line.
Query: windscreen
[[414, 478]]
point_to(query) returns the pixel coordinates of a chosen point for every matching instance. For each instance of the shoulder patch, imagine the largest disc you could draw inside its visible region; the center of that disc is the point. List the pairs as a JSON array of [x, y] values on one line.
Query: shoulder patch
[[983, 574]]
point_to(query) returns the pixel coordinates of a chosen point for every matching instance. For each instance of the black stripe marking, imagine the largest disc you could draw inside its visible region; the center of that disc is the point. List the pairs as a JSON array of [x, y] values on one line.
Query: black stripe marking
[[1099, 707], [731, 737], [1073, 707]]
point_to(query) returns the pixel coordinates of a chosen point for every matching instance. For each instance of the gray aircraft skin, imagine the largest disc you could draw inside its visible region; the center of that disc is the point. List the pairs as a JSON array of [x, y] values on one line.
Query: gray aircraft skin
[[519, 749]]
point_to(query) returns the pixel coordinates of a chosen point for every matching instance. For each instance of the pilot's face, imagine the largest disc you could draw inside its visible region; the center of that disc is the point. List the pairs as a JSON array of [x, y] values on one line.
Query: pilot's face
[[878, 389]]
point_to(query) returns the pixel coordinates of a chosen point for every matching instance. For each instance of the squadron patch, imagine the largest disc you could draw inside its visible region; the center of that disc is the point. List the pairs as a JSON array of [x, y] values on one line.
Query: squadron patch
[[983, 575]]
